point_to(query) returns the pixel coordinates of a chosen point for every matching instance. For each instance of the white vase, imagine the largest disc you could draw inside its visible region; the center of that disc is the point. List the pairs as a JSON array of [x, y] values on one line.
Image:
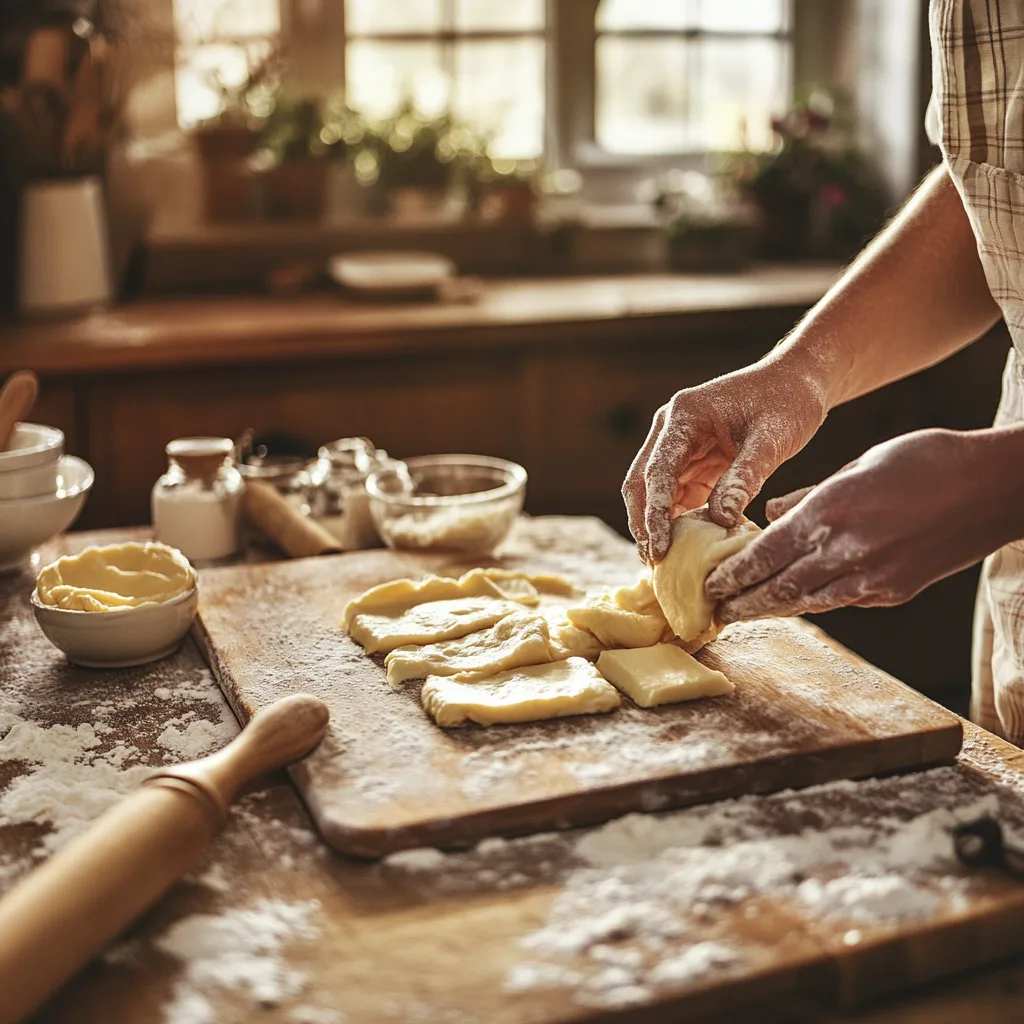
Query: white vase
[[64, 259]]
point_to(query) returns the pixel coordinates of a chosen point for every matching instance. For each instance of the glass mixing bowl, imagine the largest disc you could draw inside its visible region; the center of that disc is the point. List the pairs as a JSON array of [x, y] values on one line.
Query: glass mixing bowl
[[464, 503]]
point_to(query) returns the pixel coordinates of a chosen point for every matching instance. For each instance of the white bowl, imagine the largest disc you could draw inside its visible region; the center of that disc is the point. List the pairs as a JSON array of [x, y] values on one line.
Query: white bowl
[[386, 273], [118, 638], [32, 482], [25, 523], [31, 444]]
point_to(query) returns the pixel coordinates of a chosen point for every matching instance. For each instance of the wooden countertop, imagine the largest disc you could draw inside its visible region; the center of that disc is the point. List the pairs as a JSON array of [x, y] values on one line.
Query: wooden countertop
[[269, 852], [226, 329]]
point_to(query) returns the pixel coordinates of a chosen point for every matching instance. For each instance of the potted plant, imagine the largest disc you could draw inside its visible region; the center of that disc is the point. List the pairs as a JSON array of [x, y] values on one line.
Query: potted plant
[[410, 162], [502, 190], [225, 143], [300, 146], [60, 119], [817, 193]]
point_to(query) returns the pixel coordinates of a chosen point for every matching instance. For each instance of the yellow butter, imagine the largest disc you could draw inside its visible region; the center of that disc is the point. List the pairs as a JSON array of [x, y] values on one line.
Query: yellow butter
[[663, 674], [102, 579]]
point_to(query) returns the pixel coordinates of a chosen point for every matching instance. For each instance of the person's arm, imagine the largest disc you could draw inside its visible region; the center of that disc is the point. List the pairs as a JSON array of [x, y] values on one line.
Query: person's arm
[[915, 295]]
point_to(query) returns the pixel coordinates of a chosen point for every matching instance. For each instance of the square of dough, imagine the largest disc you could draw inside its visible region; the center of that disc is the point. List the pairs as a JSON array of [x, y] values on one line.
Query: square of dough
[[554, 690], [428, 623], [664, 674]]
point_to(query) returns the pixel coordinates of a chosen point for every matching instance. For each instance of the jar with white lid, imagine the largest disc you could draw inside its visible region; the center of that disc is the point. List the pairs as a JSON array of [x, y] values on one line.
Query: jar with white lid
[[196, 504]]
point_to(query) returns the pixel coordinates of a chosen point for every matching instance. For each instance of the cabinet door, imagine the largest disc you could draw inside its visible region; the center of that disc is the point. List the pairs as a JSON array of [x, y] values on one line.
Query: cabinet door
[[596, 405], [409, 406]]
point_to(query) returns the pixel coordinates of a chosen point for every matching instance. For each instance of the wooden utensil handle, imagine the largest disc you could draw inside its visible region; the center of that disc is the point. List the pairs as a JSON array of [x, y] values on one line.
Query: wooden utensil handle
[[58, 918], [19, 394]]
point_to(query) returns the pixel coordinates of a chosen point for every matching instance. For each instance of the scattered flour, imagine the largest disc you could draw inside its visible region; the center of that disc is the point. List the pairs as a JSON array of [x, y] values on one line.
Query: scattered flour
[[315, 1015], [196, 738], [425, 858], [239, 951]]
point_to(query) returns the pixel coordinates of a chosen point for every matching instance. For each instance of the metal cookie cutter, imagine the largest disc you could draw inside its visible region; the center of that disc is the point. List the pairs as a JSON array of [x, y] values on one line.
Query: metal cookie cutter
[[980, 844]]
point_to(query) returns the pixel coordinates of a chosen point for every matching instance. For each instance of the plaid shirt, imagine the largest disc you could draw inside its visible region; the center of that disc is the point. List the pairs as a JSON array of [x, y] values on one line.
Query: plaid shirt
[[976, 116]]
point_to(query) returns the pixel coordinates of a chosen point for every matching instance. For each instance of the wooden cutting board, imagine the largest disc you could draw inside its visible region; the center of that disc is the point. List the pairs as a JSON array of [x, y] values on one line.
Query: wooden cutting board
[[805, 710]]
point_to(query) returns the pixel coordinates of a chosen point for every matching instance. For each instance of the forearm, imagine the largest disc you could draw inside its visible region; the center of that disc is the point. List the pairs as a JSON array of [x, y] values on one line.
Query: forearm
[[914, 296]]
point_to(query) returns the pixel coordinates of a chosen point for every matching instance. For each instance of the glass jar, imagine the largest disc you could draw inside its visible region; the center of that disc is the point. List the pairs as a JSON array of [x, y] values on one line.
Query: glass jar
[[339, 500], [196, 504]]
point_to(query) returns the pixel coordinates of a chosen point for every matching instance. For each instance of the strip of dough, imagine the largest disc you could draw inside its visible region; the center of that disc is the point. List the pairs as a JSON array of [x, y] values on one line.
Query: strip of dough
[[698, 545], [554, 690], [397, 596], [428, 623], [664, 674]]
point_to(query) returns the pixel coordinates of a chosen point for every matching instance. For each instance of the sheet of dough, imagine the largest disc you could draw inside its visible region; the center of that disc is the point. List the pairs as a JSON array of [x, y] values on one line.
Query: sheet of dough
[[627, 617], [400, 595], [554, 690], [698, 545], [522, 638], [518, 639], [664, 674], [428, 623]]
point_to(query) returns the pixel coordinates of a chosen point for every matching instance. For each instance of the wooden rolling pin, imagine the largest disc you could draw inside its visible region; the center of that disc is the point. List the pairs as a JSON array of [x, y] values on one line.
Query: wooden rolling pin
[[61, 915], [19, 394]]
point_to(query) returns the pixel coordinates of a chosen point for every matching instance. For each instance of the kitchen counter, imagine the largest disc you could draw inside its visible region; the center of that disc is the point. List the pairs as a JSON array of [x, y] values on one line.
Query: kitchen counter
[[328, 935], [196, 331]]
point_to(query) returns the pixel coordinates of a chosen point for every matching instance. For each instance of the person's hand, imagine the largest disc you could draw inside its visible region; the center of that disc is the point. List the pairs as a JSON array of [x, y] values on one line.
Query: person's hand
[[718, 443], [905, 514]]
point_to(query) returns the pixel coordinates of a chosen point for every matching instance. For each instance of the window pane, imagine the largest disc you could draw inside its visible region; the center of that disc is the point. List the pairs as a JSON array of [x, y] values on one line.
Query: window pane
[[391, 16], [626, 14], [477, 15], [379, 76], [643, 96], [202, 69], [743, 15], [209, 20], [737, 86], [499, 88]]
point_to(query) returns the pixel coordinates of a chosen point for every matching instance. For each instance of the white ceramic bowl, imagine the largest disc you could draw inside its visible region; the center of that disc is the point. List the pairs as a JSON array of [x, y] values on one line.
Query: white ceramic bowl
[[25, 523], [119, 638], [31, 444], [32, 482]]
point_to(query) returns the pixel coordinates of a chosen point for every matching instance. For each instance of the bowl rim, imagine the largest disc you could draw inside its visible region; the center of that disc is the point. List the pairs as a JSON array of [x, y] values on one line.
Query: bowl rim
[[64, 494], [54, 442], [118, 612], [506, 490]]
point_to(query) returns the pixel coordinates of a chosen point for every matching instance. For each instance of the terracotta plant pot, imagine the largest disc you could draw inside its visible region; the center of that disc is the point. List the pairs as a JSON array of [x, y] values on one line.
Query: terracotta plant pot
[[223, 154], [296, 189]]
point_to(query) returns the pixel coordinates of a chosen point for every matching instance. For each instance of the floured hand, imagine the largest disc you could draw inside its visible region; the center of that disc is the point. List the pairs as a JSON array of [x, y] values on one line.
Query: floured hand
[[905, 514], [718, 443]]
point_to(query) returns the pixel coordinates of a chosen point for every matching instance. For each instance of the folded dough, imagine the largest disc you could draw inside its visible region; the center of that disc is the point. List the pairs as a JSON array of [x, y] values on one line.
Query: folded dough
[[698, 545], [627, 617], [428, 623], [518, 639], [554, 690], [664, 674]]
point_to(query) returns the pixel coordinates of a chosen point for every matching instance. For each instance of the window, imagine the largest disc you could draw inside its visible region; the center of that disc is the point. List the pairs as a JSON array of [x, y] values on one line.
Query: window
[[678, 76], [622, 80], [484, 60]]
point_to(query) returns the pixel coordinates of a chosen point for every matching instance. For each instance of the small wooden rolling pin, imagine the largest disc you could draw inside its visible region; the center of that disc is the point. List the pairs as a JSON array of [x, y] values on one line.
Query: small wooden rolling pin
[[66, 911]]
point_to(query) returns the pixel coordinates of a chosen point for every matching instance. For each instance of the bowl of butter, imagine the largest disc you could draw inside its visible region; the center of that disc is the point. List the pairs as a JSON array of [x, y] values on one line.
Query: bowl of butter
[[117, 605]]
